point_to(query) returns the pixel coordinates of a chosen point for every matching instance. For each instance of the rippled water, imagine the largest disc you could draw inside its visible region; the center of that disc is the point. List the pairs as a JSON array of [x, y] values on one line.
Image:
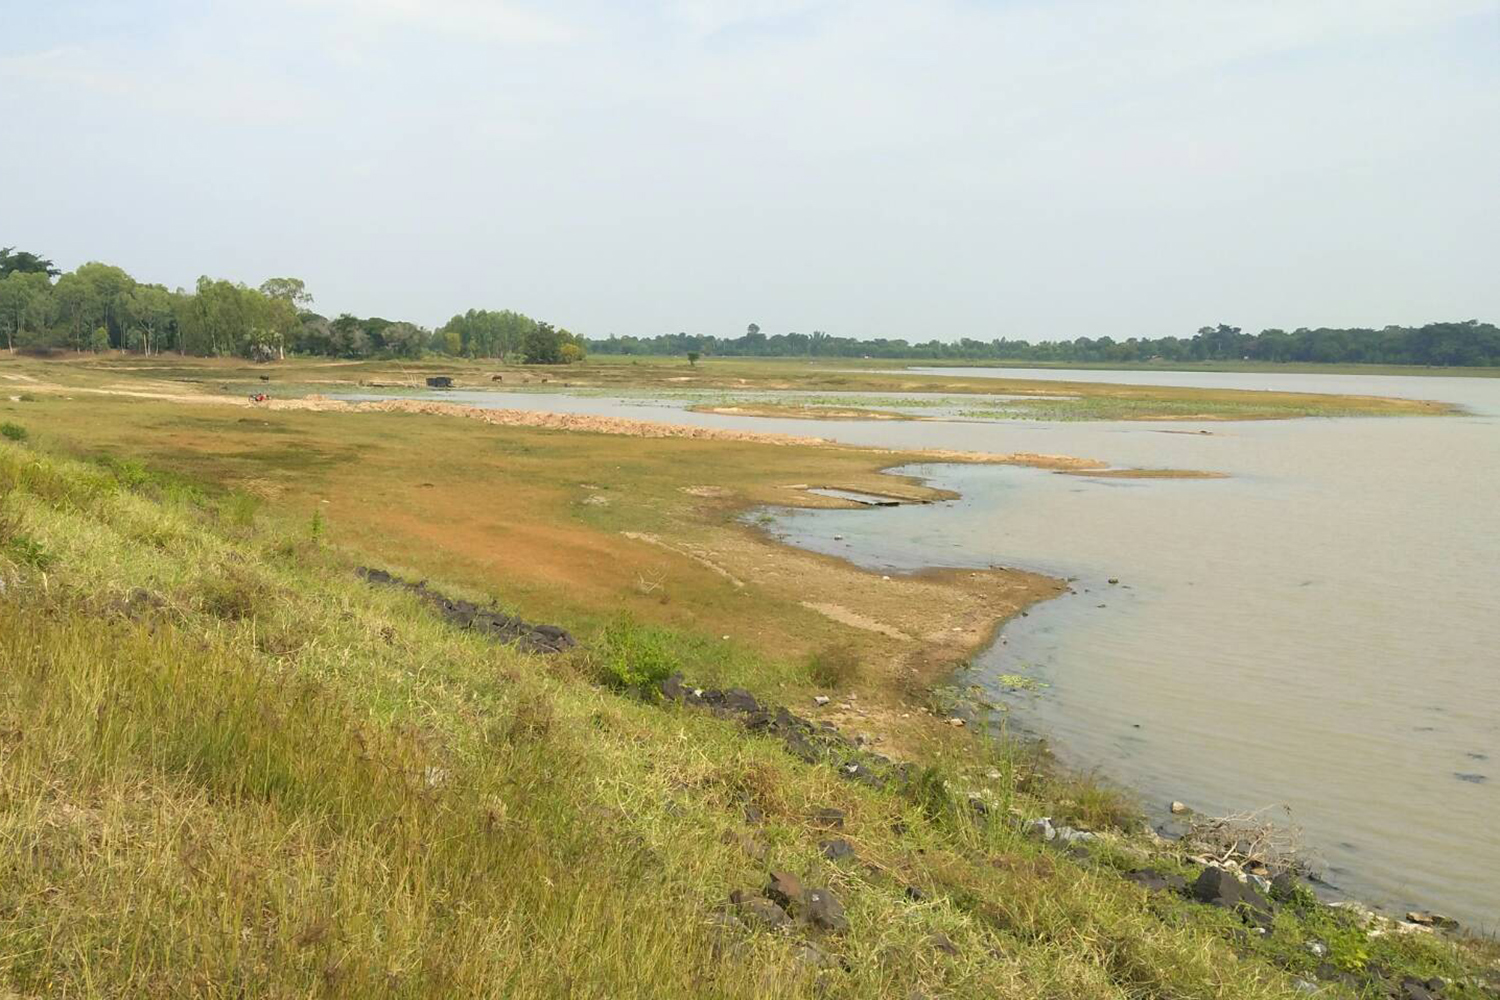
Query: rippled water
[[1321, 630]]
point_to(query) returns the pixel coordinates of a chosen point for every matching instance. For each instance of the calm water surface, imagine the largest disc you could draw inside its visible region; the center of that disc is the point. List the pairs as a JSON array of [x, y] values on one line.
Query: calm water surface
[[1320, 631]]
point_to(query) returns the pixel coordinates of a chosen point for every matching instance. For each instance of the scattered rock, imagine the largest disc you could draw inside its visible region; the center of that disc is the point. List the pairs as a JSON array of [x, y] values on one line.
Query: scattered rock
[[863, 774], [1179, 809], [1283, 885], [1427, 918], [821, 699], [1155, 881], [1317, 949], [829, 818], [750, 845], [785, 889], [490, 622], [1041, 829], [1418, 989], [837, 850], [753, 815], [1220, 887], [821, 908], [740, 700], [1068, 835], [956, 721], [758, 909]]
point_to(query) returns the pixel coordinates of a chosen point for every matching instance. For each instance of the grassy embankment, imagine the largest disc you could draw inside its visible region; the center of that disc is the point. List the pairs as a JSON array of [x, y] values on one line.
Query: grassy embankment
[[230, 768]]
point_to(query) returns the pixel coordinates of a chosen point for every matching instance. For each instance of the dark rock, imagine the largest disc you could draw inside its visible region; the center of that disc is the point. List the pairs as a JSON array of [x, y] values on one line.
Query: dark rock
[[837, 850], [821, 908], [1284, 885], [495, 625], [943, 943], [979, 806], [673, 688], [740, 700], [1429, 919], [857, 771], [1417, 989], [786, 889], [799, 746], [753, 815], [758, 909], [915, 894], [747, 843], [1219, 887], [1470, 777], [758, 721], [829, 818], [1156, 881], [1330, 973]]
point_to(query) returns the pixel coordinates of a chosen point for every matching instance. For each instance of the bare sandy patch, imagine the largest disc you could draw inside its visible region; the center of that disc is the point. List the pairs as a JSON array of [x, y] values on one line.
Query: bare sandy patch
[[854, 619]]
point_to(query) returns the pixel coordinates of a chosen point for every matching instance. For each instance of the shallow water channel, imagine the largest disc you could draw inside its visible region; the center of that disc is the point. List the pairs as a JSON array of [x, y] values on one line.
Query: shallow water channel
[[1319, 631]]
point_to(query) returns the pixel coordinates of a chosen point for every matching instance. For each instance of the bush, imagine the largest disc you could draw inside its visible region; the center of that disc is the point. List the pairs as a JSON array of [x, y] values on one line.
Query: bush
[[232, 596], [20, 546], [834, 666], [239, 509], [13, 432], [634, 656]]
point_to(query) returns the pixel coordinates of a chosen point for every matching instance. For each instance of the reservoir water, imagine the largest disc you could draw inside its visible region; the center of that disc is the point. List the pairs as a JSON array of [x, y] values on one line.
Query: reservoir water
[[1320, 630]]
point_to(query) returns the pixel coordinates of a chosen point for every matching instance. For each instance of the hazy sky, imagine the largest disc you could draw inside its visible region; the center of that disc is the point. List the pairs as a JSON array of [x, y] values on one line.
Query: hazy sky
[[880, 168]]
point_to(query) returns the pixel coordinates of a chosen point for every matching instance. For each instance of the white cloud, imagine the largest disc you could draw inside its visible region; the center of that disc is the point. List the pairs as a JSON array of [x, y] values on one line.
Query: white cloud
[[486, 20]]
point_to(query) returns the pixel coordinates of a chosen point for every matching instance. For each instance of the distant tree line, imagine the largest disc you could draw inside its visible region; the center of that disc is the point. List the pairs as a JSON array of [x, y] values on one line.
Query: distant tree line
[[99, 307], [1464, 343]]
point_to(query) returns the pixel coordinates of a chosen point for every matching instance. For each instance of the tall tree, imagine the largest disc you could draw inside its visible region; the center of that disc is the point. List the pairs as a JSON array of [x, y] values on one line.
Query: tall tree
[[149, 312], [13, 261], [25, 304], [293, 290]]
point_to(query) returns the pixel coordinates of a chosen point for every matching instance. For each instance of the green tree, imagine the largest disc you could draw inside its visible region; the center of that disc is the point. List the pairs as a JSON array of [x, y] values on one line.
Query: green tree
[[13, 261], [405, 340], [542, 346], [293, 290], [25, 305], [148, 309]]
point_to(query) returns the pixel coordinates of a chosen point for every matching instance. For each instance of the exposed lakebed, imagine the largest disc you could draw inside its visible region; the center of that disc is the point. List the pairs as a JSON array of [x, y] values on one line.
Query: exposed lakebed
[[1321, 630]]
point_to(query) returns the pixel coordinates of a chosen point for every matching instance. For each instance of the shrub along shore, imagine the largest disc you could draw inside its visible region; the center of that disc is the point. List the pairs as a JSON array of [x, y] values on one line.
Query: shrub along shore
[[233, 766]]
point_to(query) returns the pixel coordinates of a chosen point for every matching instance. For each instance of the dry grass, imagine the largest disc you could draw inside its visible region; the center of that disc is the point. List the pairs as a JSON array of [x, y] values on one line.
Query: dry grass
[[397, 809]]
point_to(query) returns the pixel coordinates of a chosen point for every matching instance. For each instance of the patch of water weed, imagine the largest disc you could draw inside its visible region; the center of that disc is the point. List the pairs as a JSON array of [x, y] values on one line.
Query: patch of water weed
[[1020, 682]]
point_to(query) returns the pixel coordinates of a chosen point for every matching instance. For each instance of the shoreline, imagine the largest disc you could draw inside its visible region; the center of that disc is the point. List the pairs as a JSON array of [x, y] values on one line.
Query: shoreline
[[932, 667], [1164, 822]]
